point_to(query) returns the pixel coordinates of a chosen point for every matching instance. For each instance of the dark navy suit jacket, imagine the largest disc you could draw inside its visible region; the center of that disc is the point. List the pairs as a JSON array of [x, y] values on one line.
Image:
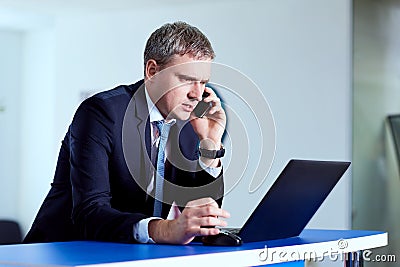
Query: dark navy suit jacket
[[103, 169]]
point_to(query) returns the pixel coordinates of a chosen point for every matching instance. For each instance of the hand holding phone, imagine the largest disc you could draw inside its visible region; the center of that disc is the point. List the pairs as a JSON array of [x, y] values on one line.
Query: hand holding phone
[[202, 107]]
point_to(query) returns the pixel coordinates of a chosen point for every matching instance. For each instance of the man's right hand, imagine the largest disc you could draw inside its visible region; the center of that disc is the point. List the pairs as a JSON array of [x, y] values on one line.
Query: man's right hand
[[197, 215]]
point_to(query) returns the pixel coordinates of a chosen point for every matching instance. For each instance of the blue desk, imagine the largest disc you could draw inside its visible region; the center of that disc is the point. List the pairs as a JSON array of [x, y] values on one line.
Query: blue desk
[[283, 252]]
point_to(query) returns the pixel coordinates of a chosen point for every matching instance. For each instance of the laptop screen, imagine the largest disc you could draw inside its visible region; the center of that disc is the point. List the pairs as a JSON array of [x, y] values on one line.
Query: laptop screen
[[293, 199]]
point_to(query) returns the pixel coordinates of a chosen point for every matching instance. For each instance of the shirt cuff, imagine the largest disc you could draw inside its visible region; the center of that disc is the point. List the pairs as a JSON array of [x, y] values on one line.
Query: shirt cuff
[[214, 172], [141, 230]]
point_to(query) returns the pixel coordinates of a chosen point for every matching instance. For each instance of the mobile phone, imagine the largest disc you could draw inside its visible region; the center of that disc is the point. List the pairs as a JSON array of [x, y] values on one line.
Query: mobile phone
[[202, 107]]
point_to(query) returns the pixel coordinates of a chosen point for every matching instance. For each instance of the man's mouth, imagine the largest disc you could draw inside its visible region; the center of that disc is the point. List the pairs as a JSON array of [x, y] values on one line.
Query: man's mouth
[[188, 107]]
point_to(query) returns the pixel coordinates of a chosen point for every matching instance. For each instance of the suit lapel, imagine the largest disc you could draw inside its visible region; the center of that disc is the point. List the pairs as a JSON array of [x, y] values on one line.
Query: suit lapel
[[136, 139]]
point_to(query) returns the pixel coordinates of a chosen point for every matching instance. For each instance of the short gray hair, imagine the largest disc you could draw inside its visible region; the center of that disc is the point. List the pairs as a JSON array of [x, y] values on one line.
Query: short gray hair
[[178, 38]]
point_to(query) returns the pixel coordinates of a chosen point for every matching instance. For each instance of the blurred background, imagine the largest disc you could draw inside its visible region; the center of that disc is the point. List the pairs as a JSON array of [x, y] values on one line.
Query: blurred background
[[330, 71]]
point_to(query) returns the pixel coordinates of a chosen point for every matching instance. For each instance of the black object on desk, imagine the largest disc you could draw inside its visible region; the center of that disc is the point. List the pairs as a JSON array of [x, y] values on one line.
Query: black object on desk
[[224, 238]]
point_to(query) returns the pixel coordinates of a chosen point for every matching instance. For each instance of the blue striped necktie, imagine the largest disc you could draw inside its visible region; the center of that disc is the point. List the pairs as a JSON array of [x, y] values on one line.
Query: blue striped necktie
[[163, 130]]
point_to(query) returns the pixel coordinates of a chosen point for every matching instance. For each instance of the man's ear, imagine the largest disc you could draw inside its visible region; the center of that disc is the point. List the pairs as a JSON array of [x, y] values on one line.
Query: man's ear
[[151, 68]]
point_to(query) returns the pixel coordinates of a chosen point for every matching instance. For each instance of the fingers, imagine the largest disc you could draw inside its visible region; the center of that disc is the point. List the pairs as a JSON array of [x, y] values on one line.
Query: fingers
[[193, 221], [207, 221], [202, 202], [211, 221], [201, 231], [207, 231], [205, 212], [206, 207], [212, 211]]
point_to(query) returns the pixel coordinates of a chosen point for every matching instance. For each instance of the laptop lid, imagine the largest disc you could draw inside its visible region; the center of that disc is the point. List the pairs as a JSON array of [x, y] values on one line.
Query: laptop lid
[[292, 200]]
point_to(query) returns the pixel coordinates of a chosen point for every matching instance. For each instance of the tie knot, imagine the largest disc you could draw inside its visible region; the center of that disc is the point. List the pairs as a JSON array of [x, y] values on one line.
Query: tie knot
[[163, 127]]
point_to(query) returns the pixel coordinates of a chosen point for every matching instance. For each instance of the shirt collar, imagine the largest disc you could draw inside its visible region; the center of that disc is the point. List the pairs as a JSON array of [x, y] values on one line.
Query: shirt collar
[[154, 113]]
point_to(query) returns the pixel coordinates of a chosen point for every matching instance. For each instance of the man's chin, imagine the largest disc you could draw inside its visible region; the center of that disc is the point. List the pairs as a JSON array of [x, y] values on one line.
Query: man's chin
[[181, 116]]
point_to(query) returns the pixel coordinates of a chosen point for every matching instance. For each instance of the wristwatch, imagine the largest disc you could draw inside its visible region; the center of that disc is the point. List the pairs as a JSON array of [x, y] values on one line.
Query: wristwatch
[[212, 154]]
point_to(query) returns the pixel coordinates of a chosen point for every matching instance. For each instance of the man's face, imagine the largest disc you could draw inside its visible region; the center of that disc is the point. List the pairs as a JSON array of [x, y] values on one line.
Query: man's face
[[178, 87]]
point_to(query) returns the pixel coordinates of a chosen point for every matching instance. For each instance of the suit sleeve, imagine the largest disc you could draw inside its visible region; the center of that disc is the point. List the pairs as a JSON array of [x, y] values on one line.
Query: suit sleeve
[[214, 185], [91, 142], [193, 180]]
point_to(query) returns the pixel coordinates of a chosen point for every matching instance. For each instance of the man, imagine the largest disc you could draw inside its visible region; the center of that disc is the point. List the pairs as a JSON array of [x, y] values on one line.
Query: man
[[118, 162]]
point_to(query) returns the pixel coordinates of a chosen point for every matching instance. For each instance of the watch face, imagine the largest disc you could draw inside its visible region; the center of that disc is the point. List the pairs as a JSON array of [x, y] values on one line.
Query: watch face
[[212, 154], [208, 153]]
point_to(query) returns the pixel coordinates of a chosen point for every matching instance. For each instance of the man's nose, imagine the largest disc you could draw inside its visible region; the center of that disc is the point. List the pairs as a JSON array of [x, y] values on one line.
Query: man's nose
[[196, 91]]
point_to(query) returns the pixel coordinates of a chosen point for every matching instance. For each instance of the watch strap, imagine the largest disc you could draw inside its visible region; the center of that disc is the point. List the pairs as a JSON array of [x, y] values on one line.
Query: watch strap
[[212, 154]]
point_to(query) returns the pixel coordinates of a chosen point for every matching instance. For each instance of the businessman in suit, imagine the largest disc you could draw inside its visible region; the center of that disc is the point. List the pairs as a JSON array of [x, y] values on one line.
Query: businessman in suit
[[121, 176]]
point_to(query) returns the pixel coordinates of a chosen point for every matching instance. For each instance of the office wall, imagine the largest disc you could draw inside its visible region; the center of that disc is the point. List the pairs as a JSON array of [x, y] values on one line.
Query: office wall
[[28, 146], [38, 113], [298, 53], [11, 43]]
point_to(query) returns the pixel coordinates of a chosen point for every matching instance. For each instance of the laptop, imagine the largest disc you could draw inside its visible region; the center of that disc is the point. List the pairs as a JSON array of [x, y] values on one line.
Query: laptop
[[292, 200]]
